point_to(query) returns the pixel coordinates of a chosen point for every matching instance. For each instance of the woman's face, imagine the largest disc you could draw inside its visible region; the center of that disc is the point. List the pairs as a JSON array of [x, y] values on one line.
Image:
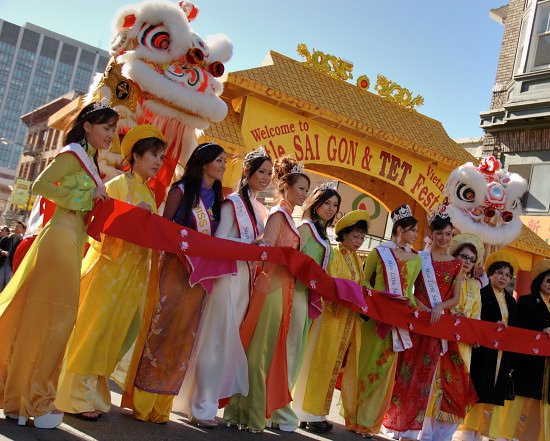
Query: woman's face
[[500, 278], [148, 164], [328, 209], [468, 259], [297, 193], [442, 238], [261, 178], [545, 285], [353, 240], [408, 236], [100, 136], [214, 170]]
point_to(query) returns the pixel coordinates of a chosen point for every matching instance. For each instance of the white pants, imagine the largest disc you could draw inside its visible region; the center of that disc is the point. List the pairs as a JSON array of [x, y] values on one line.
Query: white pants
[[436, 430]]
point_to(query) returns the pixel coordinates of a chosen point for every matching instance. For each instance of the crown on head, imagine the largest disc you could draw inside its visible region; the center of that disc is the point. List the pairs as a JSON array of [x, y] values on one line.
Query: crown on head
[[260, 152], [439, 211], [298, 168], [403, 212], [330, 185], [101, 104]]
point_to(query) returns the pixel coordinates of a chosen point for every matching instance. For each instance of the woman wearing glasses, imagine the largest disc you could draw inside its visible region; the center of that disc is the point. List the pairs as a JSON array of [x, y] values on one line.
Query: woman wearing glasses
[[490, 368], [469, 249]]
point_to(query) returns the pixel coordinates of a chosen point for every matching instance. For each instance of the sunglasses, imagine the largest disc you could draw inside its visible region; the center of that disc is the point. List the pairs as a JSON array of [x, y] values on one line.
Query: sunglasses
[[468, 258]]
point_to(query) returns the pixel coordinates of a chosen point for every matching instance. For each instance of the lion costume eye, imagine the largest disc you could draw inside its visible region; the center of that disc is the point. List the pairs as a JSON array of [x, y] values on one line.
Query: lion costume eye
[[465, 193], [154, 37]]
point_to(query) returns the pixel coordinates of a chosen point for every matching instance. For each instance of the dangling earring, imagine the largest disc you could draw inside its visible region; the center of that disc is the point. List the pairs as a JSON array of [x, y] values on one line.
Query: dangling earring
[[285, 195], [245, 181]]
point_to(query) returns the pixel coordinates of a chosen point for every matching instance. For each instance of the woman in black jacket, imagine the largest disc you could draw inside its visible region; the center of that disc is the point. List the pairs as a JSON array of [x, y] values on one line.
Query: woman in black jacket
[[490, 368], [529, 413]]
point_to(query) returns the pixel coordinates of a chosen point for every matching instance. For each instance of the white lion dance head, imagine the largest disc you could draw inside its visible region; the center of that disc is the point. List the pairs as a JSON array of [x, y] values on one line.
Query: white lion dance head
[[164, 74], [485, 201]]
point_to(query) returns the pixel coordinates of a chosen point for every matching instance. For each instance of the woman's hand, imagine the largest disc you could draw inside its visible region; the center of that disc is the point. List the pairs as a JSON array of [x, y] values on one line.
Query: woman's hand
[[145, 206], [100, 195], [547, 330], [436, 313], [500, 322]]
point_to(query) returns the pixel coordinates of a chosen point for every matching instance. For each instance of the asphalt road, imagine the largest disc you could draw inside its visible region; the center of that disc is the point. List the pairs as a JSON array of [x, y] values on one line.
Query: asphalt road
[[118, 425]]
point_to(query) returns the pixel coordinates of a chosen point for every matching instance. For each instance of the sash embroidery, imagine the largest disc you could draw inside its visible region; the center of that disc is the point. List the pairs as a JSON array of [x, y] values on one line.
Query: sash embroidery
[[401, 338], [324, 243], [245, 223], [202, 218], [432, 288], [200, 214]]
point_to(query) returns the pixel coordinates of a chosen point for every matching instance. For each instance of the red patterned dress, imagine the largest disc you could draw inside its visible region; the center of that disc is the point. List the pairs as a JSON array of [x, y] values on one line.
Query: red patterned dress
[[418, 366]]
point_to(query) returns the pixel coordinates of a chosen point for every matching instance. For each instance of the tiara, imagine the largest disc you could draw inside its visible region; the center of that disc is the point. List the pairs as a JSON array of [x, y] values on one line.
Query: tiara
[[298, 168], [101, 104], [403, 212], [260, 152], [439, 211], [330, 185]]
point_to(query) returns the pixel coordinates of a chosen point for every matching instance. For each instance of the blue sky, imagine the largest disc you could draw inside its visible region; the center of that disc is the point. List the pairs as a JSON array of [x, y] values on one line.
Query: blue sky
[[445, 50]]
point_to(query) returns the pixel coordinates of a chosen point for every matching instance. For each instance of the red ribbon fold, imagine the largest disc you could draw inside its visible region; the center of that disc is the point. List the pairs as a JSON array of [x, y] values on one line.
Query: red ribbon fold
[[138, 226]]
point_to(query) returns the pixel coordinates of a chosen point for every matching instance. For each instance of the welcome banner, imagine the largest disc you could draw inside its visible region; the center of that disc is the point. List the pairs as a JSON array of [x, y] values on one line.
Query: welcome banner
[[285, 133]]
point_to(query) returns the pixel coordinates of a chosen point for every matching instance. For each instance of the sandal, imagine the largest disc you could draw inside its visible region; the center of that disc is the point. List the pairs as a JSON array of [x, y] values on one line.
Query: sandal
[[92, 415]]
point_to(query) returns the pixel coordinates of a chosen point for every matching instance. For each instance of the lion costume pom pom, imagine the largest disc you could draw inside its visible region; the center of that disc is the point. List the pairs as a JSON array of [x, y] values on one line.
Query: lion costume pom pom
[[162, 73], [486, 201]]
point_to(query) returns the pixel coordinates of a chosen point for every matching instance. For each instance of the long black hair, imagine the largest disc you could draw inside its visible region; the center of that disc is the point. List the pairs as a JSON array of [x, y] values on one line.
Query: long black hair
[[313, 202], [251, 164], [192, 178], [94, 114]]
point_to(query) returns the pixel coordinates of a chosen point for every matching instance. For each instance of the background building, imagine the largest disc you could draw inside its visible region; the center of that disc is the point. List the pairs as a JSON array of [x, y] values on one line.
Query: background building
[[517, 125], [37, 66]]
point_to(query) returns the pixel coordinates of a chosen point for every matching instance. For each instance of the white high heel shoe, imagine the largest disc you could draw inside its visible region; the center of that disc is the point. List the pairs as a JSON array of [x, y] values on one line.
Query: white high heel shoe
[[49, 420]]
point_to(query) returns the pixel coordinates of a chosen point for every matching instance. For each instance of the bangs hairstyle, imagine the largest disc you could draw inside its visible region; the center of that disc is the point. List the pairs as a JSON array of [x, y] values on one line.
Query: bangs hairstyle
[[313, 202], [495, 266], [282, 174], [440, 223], [205, 153], [537, 282], [361, 226], [250, 167], [153, 145], [74, 131]]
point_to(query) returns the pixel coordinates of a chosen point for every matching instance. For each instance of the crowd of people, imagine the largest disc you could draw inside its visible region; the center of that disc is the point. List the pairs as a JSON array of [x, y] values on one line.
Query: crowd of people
[[259, 343]]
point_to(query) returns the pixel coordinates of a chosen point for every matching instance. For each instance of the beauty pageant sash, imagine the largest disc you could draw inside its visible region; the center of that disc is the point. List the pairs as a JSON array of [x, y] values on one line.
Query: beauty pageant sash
[[401, 338], [432, 288]]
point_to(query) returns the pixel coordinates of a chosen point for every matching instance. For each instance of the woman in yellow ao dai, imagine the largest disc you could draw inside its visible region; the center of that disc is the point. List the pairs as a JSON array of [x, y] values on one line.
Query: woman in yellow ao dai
[[114, 284]]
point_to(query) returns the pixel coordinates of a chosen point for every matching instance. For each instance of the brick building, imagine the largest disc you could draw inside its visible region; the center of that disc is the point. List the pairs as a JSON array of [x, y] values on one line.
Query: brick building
[[517, 125]]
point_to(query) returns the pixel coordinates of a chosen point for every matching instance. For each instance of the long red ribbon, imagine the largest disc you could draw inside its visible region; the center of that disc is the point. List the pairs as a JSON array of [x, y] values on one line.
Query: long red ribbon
[[132, 224]]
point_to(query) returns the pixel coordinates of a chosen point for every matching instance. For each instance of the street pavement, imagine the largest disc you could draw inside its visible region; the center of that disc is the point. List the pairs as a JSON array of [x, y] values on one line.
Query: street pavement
[[118, 425]]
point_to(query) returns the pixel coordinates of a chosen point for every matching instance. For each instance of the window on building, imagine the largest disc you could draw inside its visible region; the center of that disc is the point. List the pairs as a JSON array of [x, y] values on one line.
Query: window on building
[[538, 199], [541, 37]]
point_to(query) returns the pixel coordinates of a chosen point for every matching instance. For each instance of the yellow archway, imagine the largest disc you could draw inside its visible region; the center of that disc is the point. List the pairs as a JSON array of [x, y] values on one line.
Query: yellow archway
[[377, 146]]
